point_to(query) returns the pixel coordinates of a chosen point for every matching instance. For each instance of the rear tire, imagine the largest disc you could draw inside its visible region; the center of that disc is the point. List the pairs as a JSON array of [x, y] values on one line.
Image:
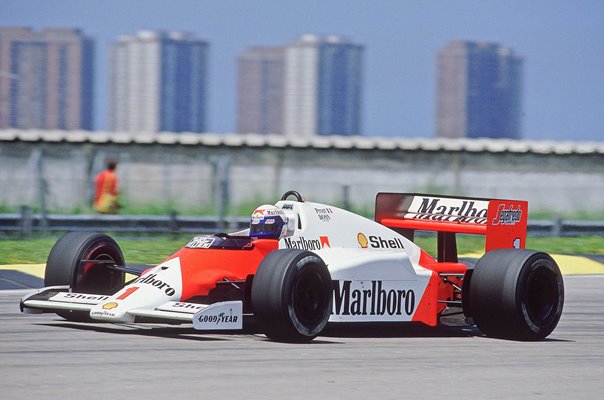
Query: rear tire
[[291, 295], [64, 266], [516, 294]]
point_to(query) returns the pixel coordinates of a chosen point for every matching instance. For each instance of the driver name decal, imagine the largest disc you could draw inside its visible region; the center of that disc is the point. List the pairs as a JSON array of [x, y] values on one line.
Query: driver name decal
[[324, 214]]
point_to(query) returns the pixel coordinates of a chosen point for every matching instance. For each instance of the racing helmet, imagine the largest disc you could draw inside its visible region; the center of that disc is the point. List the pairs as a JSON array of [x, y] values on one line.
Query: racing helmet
[[268, 222]]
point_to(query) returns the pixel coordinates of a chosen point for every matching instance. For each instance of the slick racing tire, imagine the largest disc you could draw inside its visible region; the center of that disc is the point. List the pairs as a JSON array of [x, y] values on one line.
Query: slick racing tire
[[516, 294], [291, 295], [81, 260]]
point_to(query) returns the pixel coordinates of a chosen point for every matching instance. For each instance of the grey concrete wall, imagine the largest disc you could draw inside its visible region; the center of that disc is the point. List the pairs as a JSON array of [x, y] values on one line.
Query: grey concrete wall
[[563, 178]]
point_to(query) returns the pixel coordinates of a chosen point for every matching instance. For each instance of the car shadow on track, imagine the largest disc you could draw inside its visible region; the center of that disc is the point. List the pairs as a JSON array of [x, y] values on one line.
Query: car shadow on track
[[406, 331], [330, 335], [174, 332], [333, 331], [398, 330]]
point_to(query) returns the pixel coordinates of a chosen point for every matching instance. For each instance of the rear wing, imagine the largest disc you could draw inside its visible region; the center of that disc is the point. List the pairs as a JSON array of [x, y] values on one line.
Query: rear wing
[[502, 222]]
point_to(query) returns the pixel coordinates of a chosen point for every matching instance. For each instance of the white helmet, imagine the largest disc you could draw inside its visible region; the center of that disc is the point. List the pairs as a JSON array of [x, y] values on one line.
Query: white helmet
[[268, 222]]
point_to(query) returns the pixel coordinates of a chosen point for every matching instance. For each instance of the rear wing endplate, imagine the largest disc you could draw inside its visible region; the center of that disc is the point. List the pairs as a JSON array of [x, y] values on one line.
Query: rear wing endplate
[[502, 222]]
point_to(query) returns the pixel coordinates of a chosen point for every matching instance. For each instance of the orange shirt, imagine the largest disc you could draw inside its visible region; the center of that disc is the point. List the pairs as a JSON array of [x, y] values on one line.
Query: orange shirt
[[105, 182]]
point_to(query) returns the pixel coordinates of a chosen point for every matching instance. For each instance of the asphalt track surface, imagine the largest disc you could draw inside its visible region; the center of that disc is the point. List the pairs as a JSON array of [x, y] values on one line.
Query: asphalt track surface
[[43, 356]]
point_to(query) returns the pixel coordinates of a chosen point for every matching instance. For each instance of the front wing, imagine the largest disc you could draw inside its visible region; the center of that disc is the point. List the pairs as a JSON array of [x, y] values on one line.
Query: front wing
[[225, 315]]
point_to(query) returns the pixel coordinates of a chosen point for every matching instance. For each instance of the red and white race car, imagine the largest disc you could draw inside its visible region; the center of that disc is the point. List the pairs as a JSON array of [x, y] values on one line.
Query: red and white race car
[[302, 265]]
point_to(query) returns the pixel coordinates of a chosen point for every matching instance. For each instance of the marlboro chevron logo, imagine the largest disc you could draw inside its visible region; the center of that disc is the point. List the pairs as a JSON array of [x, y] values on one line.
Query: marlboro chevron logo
[[303, 243]]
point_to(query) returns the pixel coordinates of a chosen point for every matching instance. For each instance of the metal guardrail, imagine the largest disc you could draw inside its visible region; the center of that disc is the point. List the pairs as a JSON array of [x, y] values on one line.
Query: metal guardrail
[[27, 224], [565, 228]]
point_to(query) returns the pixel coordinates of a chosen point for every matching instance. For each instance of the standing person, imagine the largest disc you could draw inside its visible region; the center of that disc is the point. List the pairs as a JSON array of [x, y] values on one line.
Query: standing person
[[106, 190]]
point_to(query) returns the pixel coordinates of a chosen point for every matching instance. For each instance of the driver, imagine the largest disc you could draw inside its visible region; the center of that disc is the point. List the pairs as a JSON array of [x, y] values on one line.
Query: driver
[[268, 222]]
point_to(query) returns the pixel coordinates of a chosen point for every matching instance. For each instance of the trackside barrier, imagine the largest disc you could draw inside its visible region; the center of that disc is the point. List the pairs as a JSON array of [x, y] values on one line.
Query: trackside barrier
[[27, 224]]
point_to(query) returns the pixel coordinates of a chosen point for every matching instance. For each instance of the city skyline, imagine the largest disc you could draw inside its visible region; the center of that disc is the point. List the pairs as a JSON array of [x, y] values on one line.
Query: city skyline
[[311, 86], [560, 42]]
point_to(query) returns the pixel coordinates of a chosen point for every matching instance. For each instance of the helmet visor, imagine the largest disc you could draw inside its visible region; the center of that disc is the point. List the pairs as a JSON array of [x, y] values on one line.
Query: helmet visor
[[266, 228]]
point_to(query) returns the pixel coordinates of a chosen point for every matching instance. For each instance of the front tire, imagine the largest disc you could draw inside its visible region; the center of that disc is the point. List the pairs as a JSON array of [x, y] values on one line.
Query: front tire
[[291, 295], [81, 261], [516, 294]]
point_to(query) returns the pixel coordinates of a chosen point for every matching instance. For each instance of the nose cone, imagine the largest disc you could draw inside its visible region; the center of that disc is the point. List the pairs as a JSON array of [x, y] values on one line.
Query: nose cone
[[156, 287]]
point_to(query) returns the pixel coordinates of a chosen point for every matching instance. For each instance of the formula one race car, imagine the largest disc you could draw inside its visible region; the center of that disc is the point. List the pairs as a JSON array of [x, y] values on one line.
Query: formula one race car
[[302, 265]]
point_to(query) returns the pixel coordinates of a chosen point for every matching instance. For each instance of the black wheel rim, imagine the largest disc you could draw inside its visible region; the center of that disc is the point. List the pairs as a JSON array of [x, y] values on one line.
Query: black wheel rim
[[310, 298], [542, 294], [94, 276]]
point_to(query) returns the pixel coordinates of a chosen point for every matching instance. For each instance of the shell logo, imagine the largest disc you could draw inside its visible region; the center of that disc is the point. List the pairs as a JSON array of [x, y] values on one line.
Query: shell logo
[[110, 306], [362, 239]]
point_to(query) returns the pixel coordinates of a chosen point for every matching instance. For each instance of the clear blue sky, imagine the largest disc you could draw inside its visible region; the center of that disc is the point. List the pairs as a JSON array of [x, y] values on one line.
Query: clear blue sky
[[562, 43]]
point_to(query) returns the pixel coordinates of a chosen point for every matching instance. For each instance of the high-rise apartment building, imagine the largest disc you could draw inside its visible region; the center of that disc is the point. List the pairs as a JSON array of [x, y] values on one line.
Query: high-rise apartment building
[[46, 79], [309, 87], [479, 90], [323, 82], [260, 72], [158, 82]]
